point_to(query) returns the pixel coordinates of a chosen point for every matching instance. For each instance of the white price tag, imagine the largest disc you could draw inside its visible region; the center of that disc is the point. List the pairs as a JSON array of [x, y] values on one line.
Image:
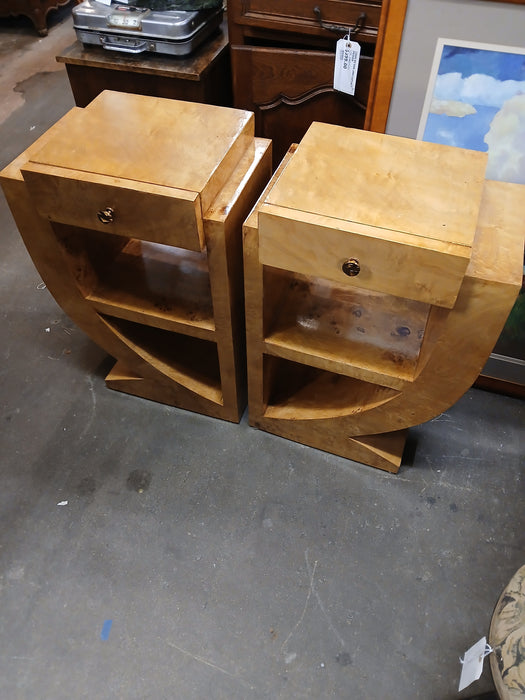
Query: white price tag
[[473, 663], [346, 65]]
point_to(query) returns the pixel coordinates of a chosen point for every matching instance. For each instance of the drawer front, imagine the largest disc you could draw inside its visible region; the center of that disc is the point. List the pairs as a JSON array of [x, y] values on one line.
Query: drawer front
[[299, 15], [361, 257], [121, 207]]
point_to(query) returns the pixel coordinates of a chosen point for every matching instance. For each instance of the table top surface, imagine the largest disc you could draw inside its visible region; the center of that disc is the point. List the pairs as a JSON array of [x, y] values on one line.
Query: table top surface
[[152, 140], [423, 189], [192, 67]]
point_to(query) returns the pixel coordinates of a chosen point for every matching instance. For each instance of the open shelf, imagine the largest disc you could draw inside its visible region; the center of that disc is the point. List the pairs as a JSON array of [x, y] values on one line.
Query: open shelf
[[158, 285], [191, 362], [300, 392], [362, 334], [151, 283]]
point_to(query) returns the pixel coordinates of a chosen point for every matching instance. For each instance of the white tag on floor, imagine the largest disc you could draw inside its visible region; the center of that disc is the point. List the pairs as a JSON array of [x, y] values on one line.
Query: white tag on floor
[[346, 65], [473, 663]]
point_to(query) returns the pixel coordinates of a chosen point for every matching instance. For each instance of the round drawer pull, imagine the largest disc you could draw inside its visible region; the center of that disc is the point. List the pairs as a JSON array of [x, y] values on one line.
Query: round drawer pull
[[351, 267], [106, 216]]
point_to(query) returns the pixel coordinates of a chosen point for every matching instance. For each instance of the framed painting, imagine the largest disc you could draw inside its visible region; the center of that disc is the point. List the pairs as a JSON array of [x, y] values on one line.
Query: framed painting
[[476, 99]]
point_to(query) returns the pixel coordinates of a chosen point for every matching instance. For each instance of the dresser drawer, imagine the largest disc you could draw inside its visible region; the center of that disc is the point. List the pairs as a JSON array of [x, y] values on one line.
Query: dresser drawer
[[157, 186], [299, 16], [360, 257], [123, 207]]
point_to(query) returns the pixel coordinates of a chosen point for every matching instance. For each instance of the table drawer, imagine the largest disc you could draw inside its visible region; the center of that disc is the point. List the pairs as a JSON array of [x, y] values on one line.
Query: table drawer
[[361, 256], [123, 207], [299, 15]]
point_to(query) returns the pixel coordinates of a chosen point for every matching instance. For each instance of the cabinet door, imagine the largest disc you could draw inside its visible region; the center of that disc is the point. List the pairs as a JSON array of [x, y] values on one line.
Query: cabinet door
[[288, 90]]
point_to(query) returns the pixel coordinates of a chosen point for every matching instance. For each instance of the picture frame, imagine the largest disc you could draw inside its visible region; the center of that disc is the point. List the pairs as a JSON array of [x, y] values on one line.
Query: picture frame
[[473, 91]]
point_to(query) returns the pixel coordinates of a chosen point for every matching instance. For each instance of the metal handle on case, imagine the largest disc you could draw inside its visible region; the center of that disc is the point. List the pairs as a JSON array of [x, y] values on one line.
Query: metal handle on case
[[106, 216], [111, 45]]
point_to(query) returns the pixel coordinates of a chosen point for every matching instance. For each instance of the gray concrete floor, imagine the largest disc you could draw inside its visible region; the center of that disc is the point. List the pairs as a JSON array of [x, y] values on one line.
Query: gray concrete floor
[[233, 564]]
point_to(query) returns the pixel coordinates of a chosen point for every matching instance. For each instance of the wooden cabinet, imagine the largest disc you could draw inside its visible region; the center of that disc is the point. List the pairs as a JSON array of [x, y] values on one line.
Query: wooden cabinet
[[378, 274], [203, 76], [283, 56], [132, 211]]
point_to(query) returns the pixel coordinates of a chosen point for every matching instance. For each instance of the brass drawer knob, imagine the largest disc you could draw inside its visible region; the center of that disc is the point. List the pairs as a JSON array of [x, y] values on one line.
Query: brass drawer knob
[[106, 216], [351, 267]]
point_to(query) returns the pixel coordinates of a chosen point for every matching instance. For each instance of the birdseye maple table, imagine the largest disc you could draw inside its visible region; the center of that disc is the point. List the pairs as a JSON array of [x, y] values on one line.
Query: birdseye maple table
[[137, 234], [379, 272], [203, 76]]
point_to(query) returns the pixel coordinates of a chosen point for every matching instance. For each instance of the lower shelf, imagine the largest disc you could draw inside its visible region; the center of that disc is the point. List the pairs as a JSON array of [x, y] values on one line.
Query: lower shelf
[[300, 392], [191, 362]]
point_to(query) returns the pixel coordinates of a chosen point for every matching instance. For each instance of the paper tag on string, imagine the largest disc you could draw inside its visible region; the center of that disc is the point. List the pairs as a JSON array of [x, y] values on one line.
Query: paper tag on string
[[473, 663], [346, 65]]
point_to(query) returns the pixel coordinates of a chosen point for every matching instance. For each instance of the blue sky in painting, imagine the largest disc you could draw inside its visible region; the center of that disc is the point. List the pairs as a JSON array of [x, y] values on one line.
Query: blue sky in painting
[[467, 61], [465, 132], [483, 79]]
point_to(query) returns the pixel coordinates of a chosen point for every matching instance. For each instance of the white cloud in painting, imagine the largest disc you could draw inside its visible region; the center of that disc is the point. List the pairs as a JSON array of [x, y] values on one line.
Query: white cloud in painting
[[506, 142], [452, 108], [447, 137], [478, 89]]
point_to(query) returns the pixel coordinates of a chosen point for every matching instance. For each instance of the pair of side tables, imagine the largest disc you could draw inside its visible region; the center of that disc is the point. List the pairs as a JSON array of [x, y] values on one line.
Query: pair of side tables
[[363, 285]]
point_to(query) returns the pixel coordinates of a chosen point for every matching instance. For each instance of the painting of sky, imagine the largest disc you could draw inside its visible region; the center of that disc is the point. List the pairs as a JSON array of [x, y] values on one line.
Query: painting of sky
[[477, 101]]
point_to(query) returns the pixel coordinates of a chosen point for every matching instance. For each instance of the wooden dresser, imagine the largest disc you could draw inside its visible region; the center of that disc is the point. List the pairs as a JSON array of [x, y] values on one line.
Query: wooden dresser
[[283, 54]]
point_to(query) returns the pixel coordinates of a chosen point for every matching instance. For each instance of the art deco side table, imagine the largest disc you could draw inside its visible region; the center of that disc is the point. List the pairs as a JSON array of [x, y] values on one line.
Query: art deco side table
[[379, 272], [132, 211]]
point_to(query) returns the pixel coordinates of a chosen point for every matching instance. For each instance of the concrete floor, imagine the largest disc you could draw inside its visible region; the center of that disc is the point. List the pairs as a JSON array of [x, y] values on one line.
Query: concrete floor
[[233, 564]]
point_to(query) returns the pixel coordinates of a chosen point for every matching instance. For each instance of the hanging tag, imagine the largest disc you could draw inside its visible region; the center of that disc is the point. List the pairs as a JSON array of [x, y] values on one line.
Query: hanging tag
[[346, 65], [473, 663]]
